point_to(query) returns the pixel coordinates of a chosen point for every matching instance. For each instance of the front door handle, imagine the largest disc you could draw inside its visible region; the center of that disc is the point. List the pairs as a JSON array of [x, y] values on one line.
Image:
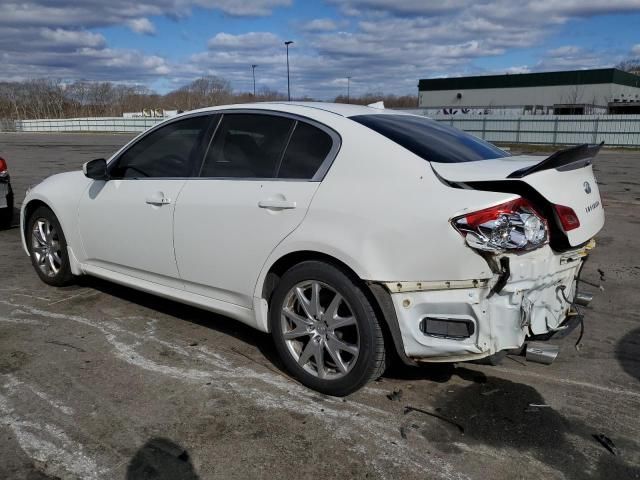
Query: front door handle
[[158, 198], [277, 204]]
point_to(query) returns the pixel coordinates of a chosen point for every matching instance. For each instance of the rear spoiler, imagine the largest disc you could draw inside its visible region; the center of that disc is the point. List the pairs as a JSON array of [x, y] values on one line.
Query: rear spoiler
[[563, 160]]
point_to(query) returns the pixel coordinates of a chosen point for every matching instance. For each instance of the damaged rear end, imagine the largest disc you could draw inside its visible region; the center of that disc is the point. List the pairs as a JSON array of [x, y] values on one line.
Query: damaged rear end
[[535, 243], [535, 238]]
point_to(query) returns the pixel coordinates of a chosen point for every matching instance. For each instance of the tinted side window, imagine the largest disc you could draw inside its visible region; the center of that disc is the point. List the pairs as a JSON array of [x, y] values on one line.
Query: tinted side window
[[247, 146], [165, 152], [307, 150], [431, 140]]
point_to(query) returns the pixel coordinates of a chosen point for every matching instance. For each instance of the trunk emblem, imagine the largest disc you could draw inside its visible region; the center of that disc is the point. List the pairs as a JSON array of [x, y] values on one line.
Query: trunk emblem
[[587, 187]]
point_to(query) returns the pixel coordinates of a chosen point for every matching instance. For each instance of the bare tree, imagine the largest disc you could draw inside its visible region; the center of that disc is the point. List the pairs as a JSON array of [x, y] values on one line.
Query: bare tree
[[51, 98], [390, 101], [631, 65]]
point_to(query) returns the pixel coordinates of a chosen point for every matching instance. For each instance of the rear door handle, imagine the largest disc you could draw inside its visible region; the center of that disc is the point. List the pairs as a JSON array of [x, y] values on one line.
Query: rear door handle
[[158, 198], [277, 204]]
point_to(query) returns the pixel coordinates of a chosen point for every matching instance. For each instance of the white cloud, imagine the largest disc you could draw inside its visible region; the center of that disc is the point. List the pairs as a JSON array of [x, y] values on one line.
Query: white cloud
[[384, 45], [518, 69], [568, 50], [320, 25], [75, 38], [571, 57], [245, 41], [563, 9], [402, 7], [142, 26]]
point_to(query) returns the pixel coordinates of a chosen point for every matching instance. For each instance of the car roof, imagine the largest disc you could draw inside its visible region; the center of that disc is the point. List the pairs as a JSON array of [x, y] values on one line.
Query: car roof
[[342, 109]]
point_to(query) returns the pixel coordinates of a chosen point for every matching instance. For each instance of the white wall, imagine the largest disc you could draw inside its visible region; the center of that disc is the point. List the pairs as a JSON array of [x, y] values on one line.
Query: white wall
[[597, 94], [92, 124], [614, 130]]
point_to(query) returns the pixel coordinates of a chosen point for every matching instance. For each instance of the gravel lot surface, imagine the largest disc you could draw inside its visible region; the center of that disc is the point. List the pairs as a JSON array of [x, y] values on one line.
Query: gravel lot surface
[[100, 381]]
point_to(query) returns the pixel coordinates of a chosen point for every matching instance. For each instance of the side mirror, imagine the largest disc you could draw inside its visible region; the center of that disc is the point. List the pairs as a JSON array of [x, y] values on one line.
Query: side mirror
[[96, 169]]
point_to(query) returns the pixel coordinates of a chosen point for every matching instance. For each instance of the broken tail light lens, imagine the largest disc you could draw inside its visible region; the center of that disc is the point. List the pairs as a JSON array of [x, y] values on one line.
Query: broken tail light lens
[[3, 167], [509, 226], [568, 217]]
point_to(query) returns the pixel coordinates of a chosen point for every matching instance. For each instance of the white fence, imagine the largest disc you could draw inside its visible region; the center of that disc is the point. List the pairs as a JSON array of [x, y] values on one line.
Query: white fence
[[614, 130], [91, 124]]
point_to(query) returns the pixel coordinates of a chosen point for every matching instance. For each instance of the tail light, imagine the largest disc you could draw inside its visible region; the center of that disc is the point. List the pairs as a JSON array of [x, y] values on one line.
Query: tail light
[[3, 167], [568, 217], [510, 226]]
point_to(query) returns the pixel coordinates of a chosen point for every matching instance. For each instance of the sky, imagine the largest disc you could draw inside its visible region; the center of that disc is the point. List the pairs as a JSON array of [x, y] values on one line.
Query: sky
[[385, 46]]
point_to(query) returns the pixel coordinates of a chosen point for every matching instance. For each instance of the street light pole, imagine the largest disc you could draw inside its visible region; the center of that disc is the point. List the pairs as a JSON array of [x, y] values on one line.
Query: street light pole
[[287, 43], [253, 70], [348, 86]]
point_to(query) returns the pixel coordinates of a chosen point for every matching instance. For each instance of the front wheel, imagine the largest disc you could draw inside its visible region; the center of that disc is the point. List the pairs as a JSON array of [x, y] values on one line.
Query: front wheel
[[326, 330], [48, 248]]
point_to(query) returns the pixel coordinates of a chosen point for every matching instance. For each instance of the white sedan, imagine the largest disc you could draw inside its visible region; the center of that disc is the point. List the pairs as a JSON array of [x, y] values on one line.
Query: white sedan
[[347, 232]]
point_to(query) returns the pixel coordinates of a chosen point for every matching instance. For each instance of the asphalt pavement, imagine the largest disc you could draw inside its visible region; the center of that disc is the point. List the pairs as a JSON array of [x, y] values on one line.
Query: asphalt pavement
[[99, 381]]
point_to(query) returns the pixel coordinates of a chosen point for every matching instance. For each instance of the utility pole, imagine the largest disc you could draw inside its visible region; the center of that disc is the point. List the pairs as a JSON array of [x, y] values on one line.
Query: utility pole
[[253, 70], [348, 87], [287, 43]]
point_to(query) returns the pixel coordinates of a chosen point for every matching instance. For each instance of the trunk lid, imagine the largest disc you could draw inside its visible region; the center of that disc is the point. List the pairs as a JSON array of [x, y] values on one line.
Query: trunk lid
[[565, 178]]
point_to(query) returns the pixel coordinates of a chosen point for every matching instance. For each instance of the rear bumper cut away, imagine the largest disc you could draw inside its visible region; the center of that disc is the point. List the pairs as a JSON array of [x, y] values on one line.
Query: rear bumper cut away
[[468, 320]]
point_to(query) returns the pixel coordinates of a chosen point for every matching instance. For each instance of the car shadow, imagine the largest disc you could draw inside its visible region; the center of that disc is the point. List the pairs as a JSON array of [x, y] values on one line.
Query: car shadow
[[434, 372], [161, 459], [628, 353], [513, 417], [213, 321]]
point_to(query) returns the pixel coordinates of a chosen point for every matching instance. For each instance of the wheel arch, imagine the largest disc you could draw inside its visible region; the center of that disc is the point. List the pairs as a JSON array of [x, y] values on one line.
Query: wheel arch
[[378, 296], [285, 262]]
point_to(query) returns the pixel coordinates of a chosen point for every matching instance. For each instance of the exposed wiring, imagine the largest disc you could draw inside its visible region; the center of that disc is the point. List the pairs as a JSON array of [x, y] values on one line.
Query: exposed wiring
[[561, 289]]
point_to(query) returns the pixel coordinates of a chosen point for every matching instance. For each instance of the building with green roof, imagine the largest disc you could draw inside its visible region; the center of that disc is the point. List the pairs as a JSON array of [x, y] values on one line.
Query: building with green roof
[[606, 90]]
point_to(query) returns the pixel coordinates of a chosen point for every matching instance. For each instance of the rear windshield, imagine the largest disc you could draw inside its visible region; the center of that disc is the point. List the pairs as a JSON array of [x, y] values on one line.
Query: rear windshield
[[429, 139]]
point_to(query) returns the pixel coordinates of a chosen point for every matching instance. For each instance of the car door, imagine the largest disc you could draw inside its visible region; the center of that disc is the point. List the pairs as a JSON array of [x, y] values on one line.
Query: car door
[[256, 183], [126, 223]]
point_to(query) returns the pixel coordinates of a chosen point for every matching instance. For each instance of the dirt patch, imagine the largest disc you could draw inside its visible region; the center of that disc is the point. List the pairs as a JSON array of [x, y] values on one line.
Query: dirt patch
[[12, 361]]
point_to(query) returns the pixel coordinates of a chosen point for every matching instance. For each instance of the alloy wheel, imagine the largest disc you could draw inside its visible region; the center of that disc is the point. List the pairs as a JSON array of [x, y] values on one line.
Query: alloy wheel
[[320, 330], [45, 247]]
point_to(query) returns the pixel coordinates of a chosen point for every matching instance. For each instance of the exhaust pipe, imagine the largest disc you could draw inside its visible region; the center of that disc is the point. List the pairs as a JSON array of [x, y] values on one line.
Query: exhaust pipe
[[541, 352], [583, 299]]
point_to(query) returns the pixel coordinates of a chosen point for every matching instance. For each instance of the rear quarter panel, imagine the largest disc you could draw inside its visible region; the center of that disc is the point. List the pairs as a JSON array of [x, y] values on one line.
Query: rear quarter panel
[[382, 211]]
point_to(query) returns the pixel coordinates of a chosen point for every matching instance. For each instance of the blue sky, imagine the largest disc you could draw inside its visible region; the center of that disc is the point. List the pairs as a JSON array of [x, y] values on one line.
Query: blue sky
[[384, 45]]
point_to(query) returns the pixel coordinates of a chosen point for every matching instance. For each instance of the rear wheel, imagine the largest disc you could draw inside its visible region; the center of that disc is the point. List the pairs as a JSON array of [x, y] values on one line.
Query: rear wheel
[[48, 248], [325, 329]]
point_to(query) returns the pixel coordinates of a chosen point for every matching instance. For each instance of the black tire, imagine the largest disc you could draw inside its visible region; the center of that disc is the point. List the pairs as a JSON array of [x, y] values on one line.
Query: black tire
[[371, 358], [63, 276], [6, 217], [6, 214]]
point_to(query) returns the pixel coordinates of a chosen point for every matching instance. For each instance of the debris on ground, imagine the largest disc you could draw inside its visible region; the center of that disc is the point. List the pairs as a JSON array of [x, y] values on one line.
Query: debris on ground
[[193, 344], [521, 362], [606, 442], [486, 393], [396, 395], [408, 409], [535, 407]]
